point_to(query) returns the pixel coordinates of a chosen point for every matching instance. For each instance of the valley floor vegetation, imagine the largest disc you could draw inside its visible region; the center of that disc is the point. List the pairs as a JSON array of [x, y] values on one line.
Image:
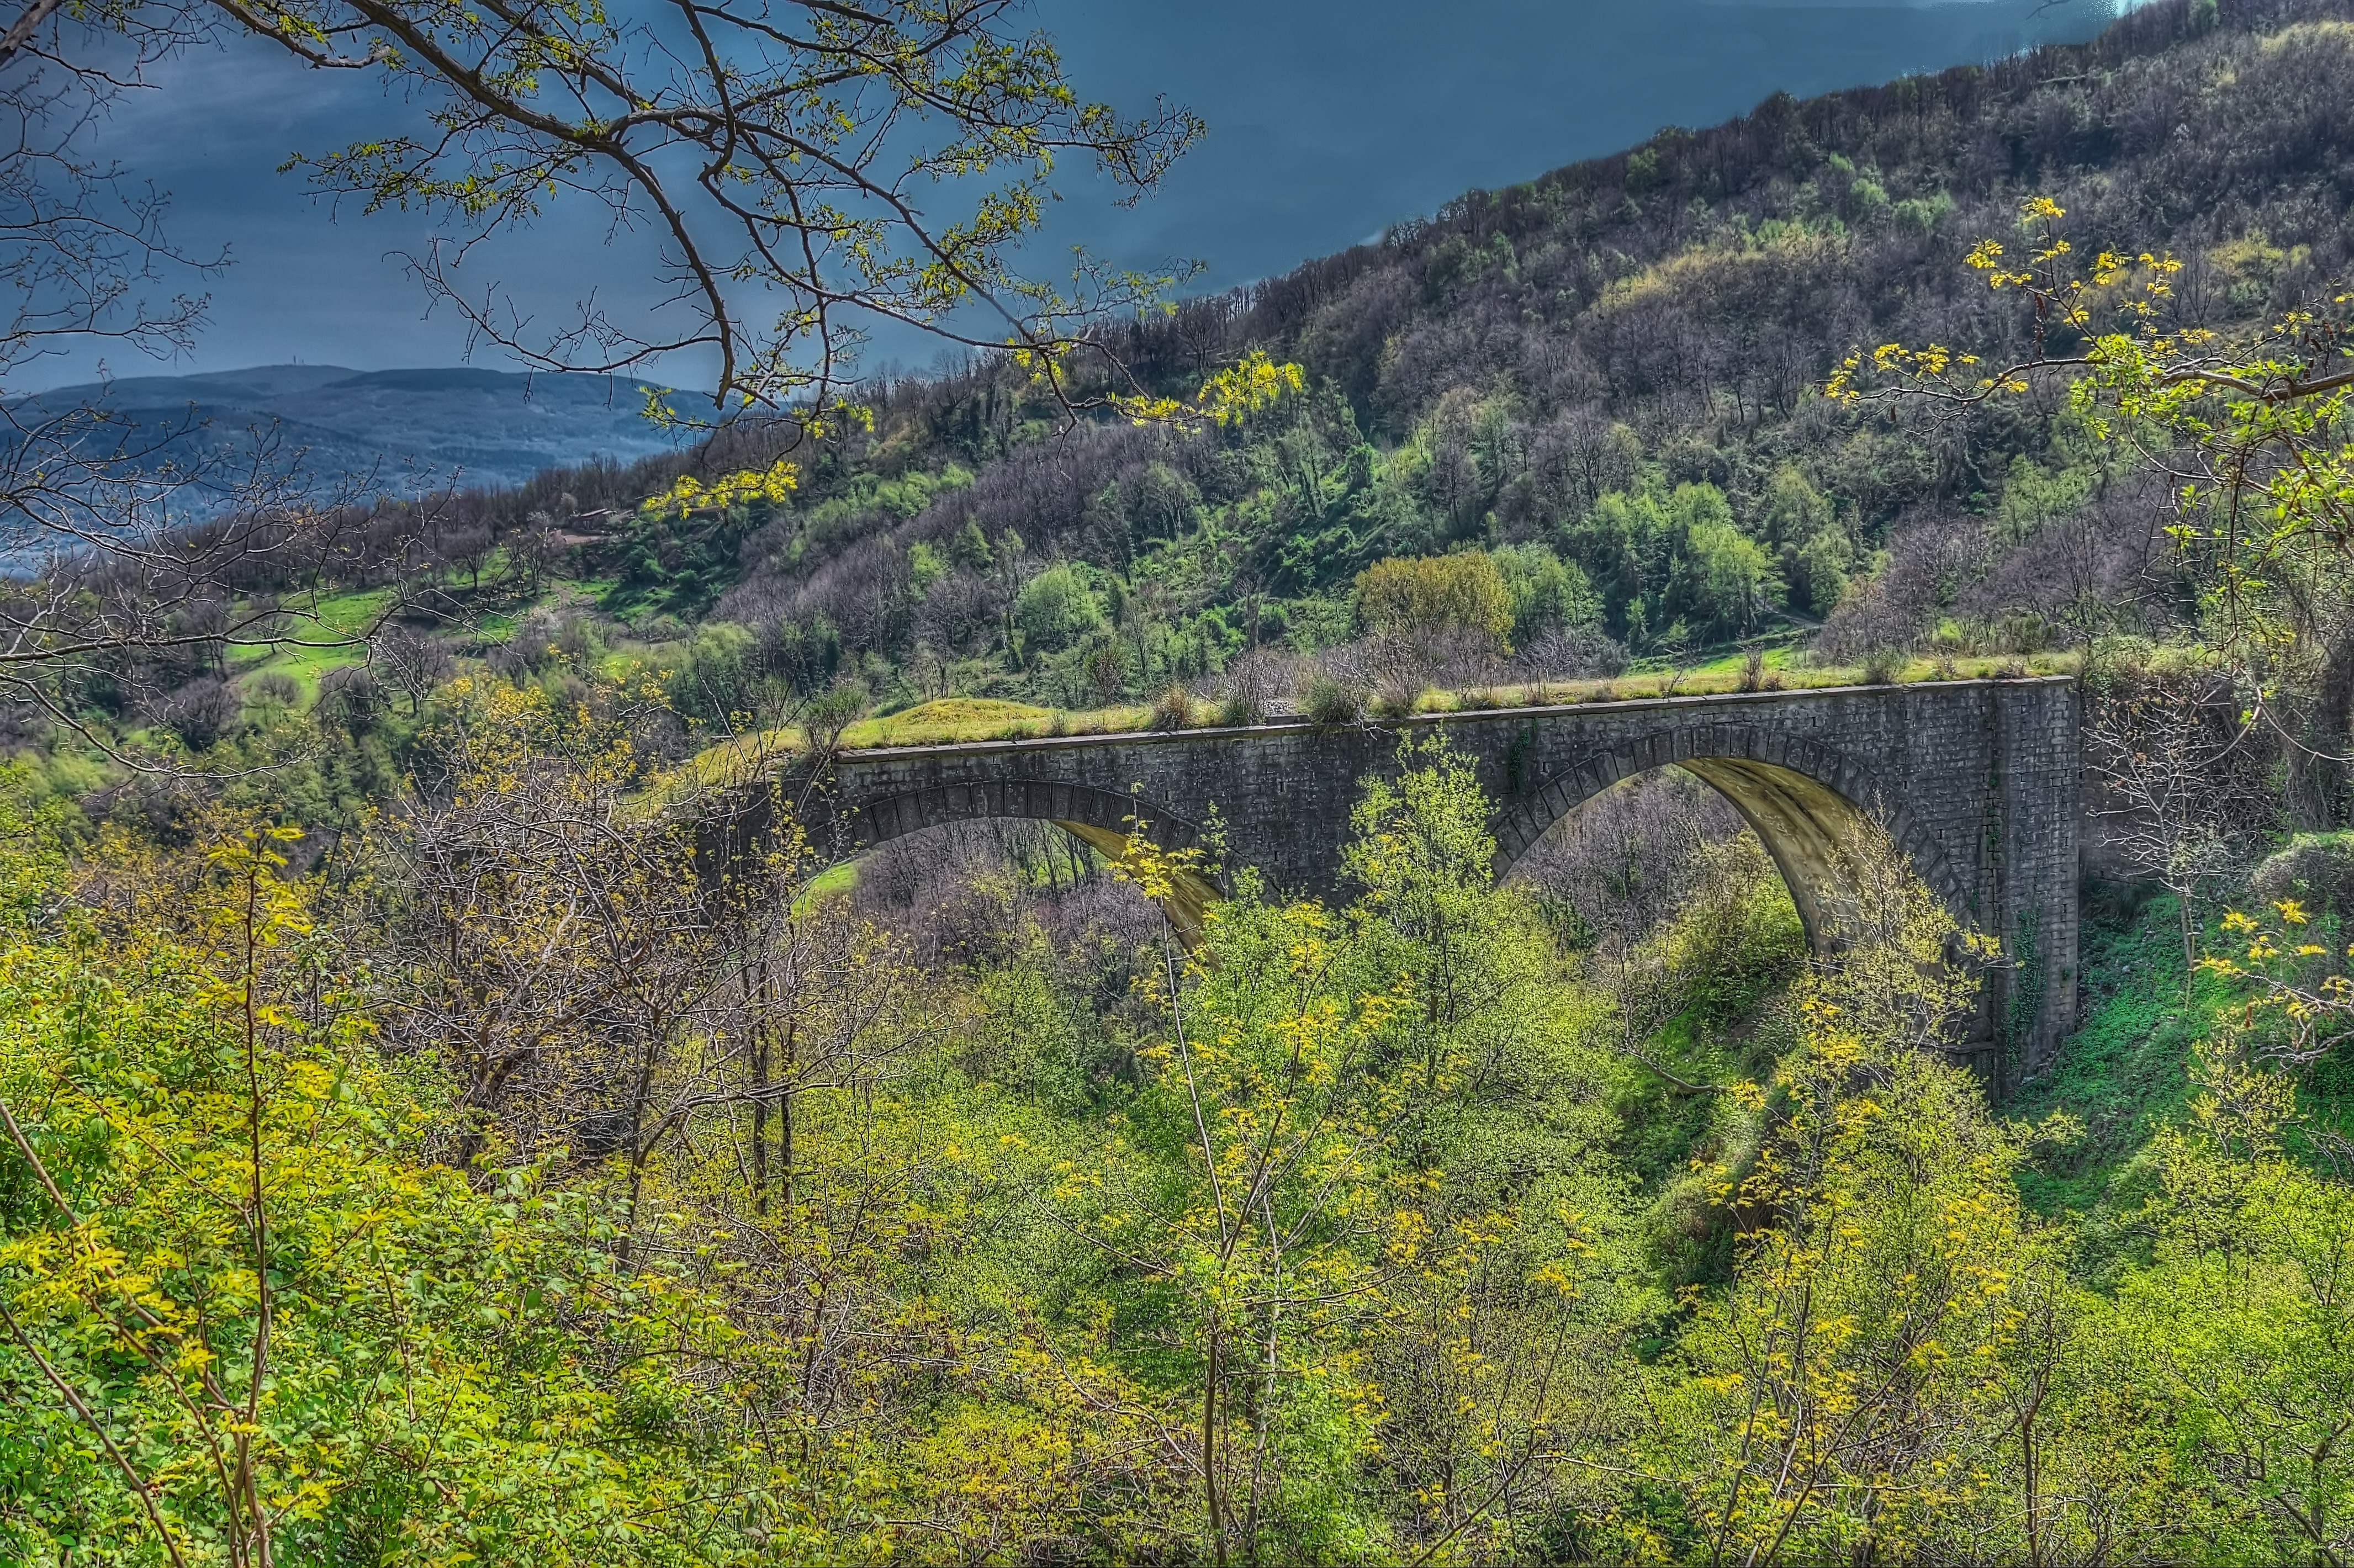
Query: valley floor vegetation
[[497, 1185]]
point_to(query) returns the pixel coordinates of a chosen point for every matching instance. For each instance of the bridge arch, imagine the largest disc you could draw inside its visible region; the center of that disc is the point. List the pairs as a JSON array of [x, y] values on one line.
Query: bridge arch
[[1808, 804], [1101, 818]]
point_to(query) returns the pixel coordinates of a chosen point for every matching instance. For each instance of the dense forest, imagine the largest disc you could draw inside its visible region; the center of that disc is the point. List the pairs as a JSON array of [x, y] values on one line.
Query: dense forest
[[412, 1151]]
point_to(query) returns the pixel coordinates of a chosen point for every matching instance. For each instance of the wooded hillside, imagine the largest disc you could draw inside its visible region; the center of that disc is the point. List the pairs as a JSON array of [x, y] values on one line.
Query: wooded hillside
[[1615, 367]]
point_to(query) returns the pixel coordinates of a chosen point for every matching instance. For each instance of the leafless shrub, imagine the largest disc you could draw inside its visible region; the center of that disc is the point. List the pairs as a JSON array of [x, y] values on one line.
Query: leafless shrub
[[1931, 559], [271, 689], [412, 663], [1101, 909], [959, 892], [532, 643], [2095, 569], [1626, 859], [865, 593], [2180, 791], [200, 712], [958, 612], [351, 697], [1391, 669], [1252, 686], [920, 868], [591, 987], [1395, 667], [1572, 653]]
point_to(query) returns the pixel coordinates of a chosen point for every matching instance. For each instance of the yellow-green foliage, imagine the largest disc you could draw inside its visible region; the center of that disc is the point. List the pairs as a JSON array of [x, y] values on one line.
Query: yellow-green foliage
[[949, 719], [1322, 1241], [1464, 592], [688, 494], [1251, 385], [1889, 1282], [1313, 1197], [450, 1370]]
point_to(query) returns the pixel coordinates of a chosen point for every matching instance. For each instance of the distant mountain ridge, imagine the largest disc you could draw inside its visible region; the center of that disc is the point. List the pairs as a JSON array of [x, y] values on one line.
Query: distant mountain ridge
[[411, 429]]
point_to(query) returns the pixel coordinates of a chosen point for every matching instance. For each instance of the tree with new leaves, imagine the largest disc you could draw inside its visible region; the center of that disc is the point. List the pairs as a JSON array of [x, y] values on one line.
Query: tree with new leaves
[[1502, 1354], [1305, 1201], [796, 159], [812, 171], [1846, 1395], [1435, 594], [2239, 1329], [1272, 1247], [245, 1321]]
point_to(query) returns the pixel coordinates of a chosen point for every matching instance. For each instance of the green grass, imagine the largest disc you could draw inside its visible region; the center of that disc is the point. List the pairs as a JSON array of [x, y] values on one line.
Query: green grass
[[950, 720], [330, 617], [2124, 1071], [1712, 1043], [833, 881], [1779, 648], [1725, 675], [977, 718]]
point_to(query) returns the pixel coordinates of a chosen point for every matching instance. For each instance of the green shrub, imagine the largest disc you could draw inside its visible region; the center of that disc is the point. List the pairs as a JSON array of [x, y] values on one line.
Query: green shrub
[[1055, 609], [1433, 592], [1329, 700], [1545, 590]]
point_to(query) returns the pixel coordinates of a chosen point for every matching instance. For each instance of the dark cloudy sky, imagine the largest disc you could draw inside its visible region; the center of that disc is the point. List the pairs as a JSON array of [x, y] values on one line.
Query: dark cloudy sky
[[1329, 120]]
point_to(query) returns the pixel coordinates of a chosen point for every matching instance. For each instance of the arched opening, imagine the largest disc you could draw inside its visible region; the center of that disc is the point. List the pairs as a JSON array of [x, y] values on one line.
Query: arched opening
[[1098, 821], [1809, 807], [1644, 853], [1816, 816], [960, 890], [1679, 924]]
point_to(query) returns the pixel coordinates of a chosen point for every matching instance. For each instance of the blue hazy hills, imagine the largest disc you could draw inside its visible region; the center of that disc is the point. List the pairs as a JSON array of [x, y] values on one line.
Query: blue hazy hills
[[404, 431]]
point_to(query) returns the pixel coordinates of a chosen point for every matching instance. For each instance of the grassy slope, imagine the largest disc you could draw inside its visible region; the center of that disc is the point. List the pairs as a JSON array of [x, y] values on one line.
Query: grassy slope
[[2123, 1073], [340, 615]]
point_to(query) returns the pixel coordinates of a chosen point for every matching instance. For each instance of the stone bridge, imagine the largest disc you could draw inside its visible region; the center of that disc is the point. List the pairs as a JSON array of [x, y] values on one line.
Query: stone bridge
[[1975, 780]]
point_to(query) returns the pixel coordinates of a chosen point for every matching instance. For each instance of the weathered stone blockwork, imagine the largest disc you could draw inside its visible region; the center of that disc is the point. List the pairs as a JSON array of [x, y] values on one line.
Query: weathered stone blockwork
[[1976, 780]]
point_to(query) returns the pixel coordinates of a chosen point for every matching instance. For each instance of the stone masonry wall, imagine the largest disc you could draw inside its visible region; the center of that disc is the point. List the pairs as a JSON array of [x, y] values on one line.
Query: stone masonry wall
[[1977, 780]]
